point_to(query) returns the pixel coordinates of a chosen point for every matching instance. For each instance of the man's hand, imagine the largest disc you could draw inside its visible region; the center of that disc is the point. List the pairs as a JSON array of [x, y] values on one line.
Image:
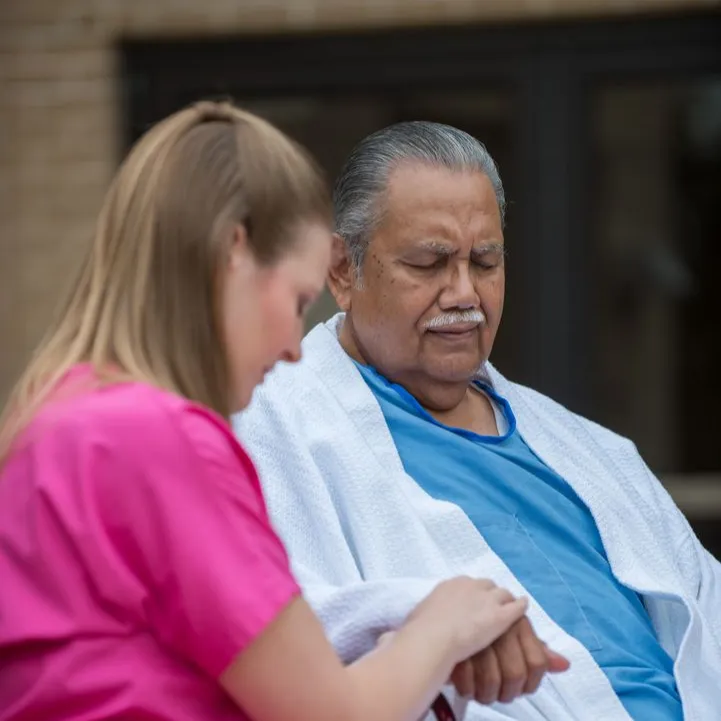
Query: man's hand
[[512, 666]]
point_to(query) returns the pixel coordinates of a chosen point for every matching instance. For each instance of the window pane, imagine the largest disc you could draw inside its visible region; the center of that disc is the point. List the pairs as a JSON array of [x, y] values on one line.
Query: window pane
[[657, 252]]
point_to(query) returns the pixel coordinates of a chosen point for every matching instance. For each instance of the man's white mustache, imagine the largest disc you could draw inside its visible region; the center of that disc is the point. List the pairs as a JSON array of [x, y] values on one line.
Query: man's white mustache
[[456, 318]]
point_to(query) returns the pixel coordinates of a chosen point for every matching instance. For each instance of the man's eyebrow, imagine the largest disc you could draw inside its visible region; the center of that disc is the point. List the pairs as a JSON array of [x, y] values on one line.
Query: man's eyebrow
[[434, 246], [443, 249], [490, 248]]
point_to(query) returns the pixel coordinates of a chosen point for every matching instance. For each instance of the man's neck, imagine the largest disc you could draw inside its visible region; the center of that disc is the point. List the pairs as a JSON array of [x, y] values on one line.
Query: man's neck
[[454, 404], [474, 413]]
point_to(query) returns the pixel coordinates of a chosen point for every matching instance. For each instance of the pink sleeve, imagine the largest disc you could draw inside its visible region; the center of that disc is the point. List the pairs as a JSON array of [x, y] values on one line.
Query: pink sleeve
[[216, 573]]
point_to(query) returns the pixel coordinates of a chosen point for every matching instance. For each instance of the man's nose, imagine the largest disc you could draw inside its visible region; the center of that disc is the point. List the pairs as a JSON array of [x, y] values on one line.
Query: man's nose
[[460, 292]]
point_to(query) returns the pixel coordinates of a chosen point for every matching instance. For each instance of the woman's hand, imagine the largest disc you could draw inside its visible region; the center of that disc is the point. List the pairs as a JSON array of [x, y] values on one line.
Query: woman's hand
[[466, 615]]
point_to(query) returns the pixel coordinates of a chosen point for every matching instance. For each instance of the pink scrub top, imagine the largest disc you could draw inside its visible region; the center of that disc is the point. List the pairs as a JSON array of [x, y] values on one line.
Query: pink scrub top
[[137, 559]]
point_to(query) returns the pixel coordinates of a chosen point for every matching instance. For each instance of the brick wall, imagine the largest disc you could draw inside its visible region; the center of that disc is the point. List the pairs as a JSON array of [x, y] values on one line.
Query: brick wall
[[58, 114]]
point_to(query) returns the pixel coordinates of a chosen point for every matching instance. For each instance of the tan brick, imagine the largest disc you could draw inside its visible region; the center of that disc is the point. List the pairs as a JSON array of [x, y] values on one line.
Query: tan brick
[[64, 92], [78, 65], [55, 36]]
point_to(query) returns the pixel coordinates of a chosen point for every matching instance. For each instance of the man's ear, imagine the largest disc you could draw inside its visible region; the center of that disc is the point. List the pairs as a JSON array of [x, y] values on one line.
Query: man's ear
[[340, 274]]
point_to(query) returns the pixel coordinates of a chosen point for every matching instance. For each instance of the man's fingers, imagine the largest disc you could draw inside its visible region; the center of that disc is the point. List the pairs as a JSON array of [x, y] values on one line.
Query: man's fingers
[[556, 662], [487, 676], [512, 664], [535, 654], [463, 678]]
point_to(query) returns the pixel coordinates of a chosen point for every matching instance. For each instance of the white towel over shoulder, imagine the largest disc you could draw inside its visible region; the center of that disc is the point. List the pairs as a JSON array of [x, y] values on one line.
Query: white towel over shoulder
[[367, 543]]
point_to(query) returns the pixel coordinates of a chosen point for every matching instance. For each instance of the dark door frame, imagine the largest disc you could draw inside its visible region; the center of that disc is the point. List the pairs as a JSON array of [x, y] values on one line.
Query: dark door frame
[[551, 69]]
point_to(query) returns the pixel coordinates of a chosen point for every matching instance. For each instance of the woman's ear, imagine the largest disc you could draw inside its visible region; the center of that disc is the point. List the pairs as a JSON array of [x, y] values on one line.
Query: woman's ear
[[240, 250], [340, 274]]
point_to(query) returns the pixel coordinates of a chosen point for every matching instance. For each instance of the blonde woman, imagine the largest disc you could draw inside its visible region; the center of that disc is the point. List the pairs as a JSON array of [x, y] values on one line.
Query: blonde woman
[[141, 578]]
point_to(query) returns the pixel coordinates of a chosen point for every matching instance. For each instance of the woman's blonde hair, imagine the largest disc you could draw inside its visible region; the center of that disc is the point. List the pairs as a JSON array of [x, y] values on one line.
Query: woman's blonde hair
[[145, 303]]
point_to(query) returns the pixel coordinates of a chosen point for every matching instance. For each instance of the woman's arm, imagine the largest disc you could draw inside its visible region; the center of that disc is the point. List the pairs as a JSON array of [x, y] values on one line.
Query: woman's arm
[[291, 671]]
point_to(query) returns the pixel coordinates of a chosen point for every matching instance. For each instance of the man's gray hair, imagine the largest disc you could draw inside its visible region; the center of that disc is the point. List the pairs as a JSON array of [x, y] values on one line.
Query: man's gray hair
[[363, 180]]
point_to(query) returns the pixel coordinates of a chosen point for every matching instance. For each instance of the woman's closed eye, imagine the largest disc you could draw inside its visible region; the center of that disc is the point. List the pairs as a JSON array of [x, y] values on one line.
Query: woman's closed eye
[[307, 300], [304, 304]]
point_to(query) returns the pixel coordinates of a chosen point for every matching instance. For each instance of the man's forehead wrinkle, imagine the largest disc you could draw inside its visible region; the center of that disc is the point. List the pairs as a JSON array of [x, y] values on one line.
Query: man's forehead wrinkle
[[443, 221]]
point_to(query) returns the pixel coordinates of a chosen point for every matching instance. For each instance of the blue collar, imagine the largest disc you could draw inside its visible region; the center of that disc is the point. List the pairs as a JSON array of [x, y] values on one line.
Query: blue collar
[[370, 373]]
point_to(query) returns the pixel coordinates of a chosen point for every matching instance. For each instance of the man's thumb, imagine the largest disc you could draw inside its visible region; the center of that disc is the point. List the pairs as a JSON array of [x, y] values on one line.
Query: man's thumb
[[556, 662]]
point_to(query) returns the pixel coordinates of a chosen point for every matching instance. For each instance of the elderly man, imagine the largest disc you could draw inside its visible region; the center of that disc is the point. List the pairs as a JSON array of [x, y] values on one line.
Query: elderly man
[[394, 455]]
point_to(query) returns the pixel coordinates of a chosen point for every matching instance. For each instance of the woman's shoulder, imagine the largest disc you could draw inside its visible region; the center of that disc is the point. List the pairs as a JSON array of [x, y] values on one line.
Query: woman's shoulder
[[134, 419], [131, 445]]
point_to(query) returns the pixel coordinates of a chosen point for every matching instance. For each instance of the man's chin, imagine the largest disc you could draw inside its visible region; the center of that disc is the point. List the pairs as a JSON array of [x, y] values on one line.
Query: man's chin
[[455, 371]]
